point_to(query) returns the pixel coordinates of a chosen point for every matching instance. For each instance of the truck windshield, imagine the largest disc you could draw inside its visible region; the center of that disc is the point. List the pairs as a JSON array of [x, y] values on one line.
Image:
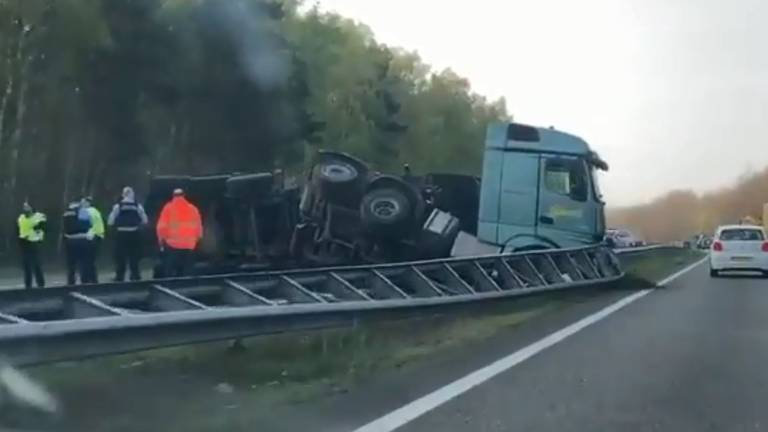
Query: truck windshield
[[565, 176]]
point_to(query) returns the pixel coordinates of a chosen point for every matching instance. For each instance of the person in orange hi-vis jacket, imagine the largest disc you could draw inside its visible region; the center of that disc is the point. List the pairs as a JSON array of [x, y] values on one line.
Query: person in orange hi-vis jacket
[[179, 230]]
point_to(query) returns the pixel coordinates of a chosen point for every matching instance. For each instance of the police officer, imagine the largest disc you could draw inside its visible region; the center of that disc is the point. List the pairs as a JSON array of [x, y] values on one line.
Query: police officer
[[93, 238], [31, 225], [75, 231], [127, 218]]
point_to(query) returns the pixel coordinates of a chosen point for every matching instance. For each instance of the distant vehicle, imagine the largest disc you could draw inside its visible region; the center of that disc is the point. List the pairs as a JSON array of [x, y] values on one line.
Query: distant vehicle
[[621, 238], [739, 248], [704, 242], [695, 242]]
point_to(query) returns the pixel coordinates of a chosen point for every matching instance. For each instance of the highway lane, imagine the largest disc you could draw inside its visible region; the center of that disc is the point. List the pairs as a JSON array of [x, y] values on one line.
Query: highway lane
[[693, 356]]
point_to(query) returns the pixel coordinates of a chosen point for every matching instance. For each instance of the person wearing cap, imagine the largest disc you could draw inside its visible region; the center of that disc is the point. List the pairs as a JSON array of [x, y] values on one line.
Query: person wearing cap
[[75, 230], [94, 237], [31, 225], [127, 218], [179, 230]]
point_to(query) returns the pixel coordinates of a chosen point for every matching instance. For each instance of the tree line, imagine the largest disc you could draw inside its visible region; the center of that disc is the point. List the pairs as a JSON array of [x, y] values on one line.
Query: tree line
[[97, 94], [680, 214]]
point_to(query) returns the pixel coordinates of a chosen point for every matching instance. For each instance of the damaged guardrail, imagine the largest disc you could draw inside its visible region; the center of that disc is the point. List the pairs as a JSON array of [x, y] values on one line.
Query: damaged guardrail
[[72, 322]]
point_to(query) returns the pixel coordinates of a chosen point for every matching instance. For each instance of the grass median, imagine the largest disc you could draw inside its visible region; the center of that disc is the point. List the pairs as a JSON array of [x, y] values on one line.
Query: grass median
[[645, 269], [221, 386]]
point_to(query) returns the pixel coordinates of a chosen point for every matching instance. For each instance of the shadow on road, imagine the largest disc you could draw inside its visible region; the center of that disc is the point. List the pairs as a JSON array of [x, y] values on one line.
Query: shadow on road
[[741, 276], [631, 282]]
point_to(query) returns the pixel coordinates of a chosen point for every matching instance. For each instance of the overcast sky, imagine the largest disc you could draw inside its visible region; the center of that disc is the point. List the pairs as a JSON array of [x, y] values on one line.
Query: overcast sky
[[672, 93]]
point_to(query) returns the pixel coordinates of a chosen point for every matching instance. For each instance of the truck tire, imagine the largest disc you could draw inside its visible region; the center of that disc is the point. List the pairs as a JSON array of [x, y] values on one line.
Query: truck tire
[[386, 212], [416, 202], [336, 172], [339, 179], [338, 182]]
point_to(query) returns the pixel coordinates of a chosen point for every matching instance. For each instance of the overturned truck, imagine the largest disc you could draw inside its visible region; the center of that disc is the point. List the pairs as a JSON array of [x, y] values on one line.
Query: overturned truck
[[344, 213], [538, 191], [350, 214]]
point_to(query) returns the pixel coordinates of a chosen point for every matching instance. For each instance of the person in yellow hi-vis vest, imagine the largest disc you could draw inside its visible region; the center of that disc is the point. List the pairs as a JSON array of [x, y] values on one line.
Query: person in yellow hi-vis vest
[[94, 237], [31, 226]]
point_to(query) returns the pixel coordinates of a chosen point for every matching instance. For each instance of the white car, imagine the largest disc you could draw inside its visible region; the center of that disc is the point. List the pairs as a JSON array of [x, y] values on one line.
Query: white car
[[621, 238], [739, 248]]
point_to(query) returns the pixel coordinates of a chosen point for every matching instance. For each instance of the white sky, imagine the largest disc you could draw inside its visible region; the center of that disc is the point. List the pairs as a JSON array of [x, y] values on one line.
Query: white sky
[[672, 93]]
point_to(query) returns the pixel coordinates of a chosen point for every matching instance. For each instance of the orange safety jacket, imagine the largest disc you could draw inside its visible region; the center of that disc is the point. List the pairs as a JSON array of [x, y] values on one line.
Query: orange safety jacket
[[180, 225]]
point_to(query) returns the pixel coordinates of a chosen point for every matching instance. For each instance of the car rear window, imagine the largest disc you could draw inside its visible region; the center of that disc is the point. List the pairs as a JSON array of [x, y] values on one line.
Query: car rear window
[[741, 235]]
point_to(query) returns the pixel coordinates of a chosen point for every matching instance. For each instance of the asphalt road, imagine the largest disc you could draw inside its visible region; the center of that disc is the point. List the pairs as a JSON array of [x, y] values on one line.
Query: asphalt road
[[691, 357]]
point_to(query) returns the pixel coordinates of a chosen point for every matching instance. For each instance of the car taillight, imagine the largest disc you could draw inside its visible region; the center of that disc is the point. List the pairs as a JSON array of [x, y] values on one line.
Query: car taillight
[[718, 247], [765, 246]]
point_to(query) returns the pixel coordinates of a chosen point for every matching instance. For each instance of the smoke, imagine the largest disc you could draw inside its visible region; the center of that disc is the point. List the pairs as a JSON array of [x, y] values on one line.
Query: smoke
[[249, 26]]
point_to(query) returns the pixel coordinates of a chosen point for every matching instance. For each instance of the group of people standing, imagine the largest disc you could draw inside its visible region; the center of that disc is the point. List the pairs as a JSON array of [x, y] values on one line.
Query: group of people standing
[[179, 230]]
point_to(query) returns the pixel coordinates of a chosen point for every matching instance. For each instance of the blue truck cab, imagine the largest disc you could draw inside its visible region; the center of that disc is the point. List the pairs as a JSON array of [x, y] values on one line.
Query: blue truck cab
[[539, 190]]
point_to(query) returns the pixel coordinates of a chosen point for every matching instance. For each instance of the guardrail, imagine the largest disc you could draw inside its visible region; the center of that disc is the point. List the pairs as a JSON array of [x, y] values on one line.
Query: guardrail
[[39, 326], [633, 250]]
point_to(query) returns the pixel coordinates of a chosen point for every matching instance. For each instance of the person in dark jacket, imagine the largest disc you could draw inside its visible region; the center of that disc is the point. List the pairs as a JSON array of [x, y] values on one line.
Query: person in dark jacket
[[127, 219], [75, 231]]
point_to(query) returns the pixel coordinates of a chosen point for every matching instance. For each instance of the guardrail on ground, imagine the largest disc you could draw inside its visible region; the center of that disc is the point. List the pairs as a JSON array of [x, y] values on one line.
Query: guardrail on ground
[[38, 326], [638, 249]]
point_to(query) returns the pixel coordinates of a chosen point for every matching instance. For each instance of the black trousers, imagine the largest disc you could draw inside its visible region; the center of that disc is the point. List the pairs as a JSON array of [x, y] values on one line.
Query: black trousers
[[30, 262], [74, 250], [90, 252], [127, 255], [176, 262]]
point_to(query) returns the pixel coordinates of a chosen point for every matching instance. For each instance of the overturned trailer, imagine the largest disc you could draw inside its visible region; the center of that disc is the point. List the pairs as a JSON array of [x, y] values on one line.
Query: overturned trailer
[[344, 213]]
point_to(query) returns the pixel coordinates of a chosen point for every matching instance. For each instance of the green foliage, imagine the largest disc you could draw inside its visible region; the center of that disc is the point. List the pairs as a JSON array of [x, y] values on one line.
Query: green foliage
[[95, 94]]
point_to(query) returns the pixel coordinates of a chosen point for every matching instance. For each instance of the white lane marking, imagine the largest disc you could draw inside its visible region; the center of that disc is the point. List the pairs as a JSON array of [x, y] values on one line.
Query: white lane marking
[[674, 276], [413, 410]]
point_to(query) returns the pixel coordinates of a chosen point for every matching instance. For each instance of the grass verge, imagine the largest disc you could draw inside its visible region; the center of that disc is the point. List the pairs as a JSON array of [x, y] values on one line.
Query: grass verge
[[225, 388], [645, 269]]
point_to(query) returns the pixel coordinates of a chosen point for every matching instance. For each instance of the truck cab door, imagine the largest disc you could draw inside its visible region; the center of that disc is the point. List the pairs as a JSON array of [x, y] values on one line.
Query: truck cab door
[[567, 215], [508, 196]]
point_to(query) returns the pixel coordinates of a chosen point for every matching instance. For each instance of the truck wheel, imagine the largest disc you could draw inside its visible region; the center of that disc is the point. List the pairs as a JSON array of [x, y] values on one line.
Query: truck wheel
[[714, 273], [385, 211], [339, 182], [336, 171]]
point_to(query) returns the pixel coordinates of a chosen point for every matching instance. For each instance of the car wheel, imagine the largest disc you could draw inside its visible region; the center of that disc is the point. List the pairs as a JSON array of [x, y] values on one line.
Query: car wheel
[[714, 273], [385, 211]]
